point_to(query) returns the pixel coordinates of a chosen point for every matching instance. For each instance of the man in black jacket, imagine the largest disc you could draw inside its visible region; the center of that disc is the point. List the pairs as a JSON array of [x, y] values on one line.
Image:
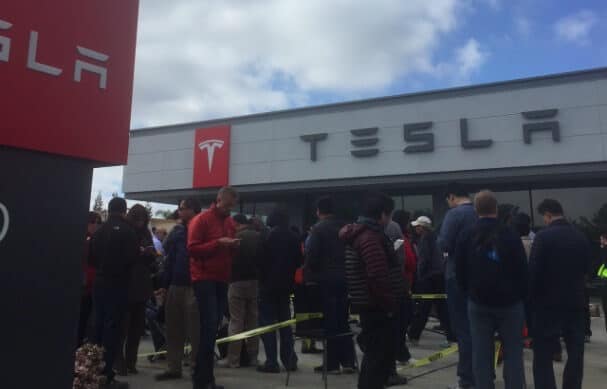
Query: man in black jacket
[[114, 249], [560, 259], [282, 256], [324, 263], [491, 268]]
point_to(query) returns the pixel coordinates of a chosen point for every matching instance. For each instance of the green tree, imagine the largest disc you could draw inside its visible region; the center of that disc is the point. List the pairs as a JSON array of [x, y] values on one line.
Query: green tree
[[164, 213], [148, 208], [98, 205]]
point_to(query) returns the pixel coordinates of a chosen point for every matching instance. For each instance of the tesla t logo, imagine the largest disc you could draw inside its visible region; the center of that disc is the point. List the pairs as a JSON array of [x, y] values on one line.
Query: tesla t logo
[[210, 146], [4, 221], [211, 157], [35, 64]]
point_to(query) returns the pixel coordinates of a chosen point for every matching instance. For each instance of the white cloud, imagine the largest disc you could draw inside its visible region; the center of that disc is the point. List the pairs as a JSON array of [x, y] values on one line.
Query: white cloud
[[469, 58], [576, 27], [197, 60]]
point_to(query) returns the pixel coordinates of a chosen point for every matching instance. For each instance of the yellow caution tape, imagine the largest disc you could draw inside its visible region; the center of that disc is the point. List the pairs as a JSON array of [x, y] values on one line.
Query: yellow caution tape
[[428, 296], [432, 358], [255, 332]]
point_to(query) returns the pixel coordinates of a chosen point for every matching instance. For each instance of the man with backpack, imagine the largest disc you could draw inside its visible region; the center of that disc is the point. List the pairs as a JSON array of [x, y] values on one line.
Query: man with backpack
[[491, 268], [370, 258]]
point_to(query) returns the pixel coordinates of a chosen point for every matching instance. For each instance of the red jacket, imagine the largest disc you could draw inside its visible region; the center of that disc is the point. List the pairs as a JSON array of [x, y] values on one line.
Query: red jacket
[[208, 260], [410, 261]]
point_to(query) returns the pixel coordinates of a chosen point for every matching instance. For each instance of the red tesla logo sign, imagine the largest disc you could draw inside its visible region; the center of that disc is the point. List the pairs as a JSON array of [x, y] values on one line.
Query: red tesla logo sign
[[212, 157], [66, 71]]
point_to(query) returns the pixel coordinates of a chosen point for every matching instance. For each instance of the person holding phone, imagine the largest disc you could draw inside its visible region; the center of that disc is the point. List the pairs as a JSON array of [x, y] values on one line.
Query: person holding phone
[[211, 245]]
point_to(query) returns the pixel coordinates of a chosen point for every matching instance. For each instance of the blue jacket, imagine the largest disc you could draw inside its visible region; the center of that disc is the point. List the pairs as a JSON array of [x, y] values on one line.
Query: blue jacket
[[177, 264], [560, 259], [456, 220]]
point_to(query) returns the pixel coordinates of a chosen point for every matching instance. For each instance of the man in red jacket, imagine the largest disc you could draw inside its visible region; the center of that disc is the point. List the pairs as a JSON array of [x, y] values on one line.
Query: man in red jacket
[[210, 244]]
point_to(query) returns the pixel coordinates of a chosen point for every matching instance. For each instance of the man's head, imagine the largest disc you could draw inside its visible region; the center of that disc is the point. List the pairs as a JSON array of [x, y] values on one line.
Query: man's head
[[324, 207], [485, 204], [188, 208], [379, 207], [227, 197], [138, 216], [117, 206], [94, 222], [402, 218], [550, 210], [422, 225], [241, 221], [455, 194]]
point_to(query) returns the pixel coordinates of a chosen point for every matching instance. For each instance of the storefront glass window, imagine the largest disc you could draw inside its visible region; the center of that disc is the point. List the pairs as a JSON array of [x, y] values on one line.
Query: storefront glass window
[[418, 205], [579, 204]]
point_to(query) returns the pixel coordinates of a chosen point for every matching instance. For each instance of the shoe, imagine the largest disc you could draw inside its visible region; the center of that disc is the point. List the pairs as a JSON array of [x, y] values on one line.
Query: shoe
[[395, 379], [587, 339], [167, 376], [132, 370], [349, 370], [292, 368], [445, 344], [334, 371], [410, 361], [268, 369], [113, 384], [225, 364], [121, 371]]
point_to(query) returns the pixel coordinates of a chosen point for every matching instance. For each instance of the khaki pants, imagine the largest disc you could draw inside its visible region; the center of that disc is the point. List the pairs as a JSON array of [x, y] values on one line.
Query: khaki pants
[[242, 300], [182, 323]]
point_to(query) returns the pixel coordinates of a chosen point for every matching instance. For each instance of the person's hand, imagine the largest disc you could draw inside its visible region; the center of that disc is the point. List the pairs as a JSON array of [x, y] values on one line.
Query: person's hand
[[160, 292], [228, 242]]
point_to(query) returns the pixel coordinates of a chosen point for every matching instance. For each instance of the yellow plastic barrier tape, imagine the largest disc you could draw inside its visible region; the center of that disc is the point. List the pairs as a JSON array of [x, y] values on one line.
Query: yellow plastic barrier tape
[[428, 296], [432, 358], [255, 332]]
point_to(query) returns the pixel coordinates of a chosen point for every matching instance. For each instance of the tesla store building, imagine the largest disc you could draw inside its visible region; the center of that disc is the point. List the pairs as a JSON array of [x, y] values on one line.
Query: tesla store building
[[525, 139]]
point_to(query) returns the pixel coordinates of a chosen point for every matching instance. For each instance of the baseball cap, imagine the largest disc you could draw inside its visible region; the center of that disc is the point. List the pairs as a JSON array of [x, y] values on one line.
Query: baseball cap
[[422, 221]]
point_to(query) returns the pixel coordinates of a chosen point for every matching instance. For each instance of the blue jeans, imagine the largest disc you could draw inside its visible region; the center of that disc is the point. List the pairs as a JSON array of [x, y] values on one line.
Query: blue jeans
[[340, 350], [508, 322], [110, 304], [457, 302], [274, 308], [548, 326], [212, 297]]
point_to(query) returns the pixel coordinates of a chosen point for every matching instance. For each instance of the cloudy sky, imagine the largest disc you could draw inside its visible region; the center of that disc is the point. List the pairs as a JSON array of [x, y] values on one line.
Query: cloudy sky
[[198, 60]]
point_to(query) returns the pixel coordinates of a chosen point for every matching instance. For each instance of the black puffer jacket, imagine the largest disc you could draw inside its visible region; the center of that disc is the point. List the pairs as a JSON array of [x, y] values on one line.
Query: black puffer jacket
[[325, 251]]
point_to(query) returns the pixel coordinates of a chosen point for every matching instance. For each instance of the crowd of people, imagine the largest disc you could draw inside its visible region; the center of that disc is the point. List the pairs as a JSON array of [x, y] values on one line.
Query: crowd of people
[[217, 266]]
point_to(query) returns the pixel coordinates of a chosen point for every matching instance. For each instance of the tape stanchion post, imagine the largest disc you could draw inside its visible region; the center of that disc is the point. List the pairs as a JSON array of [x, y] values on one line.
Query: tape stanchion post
[[498, 349], [255, 332]]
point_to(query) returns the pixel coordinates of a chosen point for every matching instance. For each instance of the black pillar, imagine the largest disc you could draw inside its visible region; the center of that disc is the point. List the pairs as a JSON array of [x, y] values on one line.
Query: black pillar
[[47, 199]]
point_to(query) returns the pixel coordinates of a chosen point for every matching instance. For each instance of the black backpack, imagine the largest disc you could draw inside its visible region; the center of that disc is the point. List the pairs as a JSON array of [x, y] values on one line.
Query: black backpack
[[491, 263]]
